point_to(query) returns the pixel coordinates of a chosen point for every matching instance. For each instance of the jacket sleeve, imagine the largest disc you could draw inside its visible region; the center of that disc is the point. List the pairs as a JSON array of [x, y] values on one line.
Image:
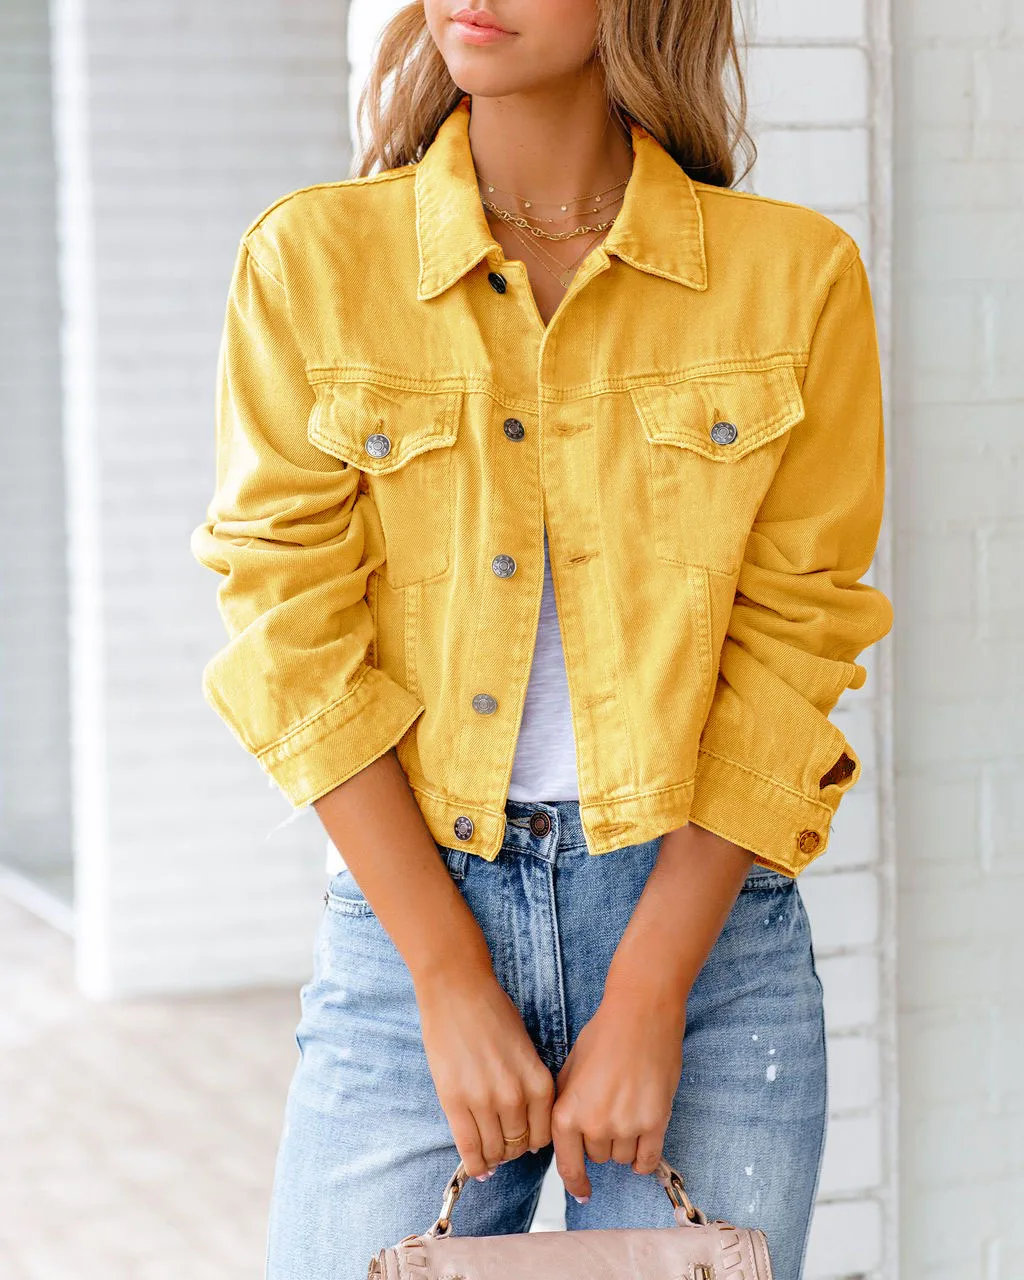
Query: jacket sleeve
[[294, 540], [772, 767]]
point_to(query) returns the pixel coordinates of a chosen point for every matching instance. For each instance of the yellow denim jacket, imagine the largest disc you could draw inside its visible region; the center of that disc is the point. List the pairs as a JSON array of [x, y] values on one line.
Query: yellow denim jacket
[[699, 427]]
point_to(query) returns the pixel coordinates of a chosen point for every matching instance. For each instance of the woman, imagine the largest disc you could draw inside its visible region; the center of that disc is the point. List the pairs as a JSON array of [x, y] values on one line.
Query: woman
[[546, 354]]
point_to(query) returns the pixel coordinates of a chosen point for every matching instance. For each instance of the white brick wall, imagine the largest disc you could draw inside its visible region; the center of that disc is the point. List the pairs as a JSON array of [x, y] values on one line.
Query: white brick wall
[[175, 125], [959, 478], [817, 80]]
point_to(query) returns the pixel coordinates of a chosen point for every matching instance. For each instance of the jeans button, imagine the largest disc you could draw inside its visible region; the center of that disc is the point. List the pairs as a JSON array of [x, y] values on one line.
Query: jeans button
[[540, 823]]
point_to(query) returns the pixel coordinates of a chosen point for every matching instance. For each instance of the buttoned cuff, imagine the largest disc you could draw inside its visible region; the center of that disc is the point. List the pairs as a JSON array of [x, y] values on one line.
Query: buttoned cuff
[[372, 716], [785, 829]]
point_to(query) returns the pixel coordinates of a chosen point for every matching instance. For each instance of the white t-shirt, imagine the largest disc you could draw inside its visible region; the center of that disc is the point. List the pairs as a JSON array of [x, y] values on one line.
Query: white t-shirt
[[544, 764]]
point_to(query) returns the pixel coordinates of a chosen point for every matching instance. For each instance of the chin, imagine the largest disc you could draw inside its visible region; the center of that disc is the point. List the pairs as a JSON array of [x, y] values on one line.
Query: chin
[[473, 75]]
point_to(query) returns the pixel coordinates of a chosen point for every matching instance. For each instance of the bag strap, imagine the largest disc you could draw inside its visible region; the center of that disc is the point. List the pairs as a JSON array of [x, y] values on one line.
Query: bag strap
[[684, 1210]]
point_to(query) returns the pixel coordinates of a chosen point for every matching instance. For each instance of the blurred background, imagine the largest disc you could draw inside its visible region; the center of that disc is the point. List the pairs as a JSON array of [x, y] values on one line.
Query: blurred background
[[158, 902]]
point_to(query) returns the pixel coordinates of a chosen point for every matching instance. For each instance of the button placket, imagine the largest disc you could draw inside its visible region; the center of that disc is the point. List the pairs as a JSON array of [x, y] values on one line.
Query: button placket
[[502, 566]]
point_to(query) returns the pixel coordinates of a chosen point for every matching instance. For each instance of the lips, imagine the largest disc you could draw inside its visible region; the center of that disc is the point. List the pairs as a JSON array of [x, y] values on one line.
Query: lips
[[478, 18]]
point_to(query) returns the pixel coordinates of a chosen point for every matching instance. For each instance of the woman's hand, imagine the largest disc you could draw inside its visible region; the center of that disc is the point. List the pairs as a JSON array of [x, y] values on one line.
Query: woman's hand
[[487, 1073], [616, 1087]]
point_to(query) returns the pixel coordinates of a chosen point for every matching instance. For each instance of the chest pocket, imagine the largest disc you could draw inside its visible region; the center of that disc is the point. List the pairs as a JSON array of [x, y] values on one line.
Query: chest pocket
[[401, 441], [714, 443]]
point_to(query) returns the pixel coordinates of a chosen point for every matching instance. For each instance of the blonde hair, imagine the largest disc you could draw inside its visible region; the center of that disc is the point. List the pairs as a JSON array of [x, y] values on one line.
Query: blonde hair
[[666, 64]]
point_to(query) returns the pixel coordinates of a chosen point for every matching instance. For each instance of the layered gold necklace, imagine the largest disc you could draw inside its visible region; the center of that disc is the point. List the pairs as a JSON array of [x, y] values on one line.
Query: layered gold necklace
[[518, 223]]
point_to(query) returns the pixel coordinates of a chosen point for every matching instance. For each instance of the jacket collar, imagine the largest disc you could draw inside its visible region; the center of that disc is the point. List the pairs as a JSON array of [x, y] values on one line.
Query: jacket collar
[[658, 229]]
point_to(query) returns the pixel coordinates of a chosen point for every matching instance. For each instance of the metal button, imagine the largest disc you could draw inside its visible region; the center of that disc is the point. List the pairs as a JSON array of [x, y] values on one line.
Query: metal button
[[724, 433], [514, 429], [485, 704], [808, 841], [463, 827], [540, 823], [377, 445], [504, 566], [497, 281]]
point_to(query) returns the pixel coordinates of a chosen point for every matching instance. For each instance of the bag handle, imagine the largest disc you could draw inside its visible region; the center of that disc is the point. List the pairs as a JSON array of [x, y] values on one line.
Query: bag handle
[[684, 1210]]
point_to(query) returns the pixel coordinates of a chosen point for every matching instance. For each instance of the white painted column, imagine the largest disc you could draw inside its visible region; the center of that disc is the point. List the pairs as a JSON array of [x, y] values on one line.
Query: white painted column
[[35, 810], [176, 124]]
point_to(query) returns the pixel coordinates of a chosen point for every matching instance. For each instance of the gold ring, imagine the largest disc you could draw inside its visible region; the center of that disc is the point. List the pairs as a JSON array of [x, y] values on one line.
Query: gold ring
[[519, 1137]]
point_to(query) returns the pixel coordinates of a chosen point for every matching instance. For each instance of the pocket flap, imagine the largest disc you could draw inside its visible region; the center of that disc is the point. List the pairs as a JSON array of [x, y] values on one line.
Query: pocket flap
[[378, 428], [721, 415]]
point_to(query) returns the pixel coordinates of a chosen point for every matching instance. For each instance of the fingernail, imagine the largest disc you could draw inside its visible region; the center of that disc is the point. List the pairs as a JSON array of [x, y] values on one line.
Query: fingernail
[[534, 1150], [482, 1177], [581, 1199]]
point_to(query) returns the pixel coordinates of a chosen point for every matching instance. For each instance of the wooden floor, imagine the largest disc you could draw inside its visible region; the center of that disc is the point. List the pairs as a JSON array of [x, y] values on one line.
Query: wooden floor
[[137, 1139]]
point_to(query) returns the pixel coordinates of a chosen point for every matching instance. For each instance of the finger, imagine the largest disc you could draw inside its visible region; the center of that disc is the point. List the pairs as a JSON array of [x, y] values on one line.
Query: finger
[[597, 1147], [492, 1142], [649, 1147], [624, 1149], [467, 1140], [569, 1156], [515, 1124], [538, 1110]]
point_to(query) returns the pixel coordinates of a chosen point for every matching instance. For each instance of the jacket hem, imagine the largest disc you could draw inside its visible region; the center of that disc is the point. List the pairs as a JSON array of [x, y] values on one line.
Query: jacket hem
[[607, 825]]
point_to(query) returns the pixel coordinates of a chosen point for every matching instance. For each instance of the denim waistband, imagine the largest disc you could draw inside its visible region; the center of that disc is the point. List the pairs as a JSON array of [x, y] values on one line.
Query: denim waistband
[[564, 838]]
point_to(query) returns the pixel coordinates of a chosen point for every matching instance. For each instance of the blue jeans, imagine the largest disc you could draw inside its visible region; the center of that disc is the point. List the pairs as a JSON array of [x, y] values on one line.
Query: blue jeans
[[366, 1149]]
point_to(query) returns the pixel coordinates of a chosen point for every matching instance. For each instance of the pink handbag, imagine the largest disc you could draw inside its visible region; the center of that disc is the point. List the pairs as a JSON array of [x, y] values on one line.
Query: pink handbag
[[694, 1249]]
